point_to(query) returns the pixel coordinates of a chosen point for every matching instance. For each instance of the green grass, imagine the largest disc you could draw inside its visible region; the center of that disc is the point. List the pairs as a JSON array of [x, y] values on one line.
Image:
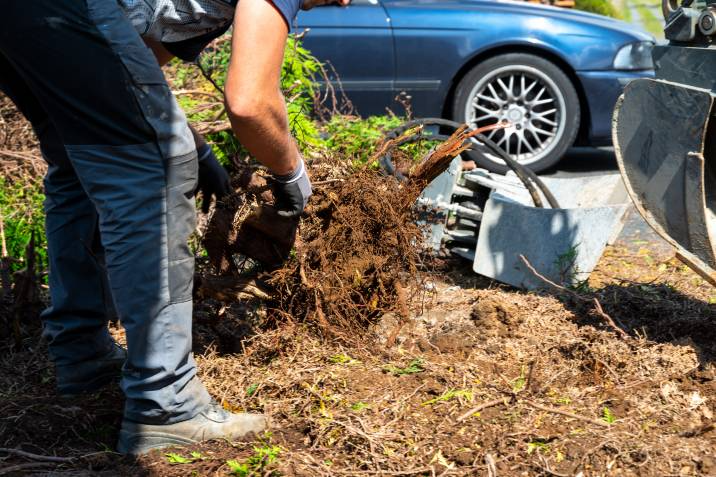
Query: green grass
[[608, 416], [462, 394], [601, 7], [258, 464], [654, 24]]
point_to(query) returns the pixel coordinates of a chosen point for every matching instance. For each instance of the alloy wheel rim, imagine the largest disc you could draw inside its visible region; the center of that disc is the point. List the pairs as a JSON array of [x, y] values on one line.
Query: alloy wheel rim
[[530, 101]]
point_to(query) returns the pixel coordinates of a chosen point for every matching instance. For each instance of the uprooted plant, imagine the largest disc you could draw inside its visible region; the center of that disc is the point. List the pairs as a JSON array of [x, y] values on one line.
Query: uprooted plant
[[357, 251]]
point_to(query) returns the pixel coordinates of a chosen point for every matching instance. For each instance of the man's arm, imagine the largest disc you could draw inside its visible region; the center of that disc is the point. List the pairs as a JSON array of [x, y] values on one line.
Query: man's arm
[[254, 100]]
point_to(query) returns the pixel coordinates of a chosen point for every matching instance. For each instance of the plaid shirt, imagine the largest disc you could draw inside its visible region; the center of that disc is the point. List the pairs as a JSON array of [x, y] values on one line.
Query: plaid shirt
[[177, 20], [171, 21]]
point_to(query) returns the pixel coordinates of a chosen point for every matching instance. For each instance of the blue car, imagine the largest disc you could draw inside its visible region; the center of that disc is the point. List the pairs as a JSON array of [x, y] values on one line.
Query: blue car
[[554, 74]]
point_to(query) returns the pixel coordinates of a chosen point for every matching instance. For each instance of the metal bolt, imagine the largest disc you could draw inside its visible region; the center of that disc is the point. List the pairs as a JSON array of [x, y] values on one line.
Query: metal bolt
[[707, 23]]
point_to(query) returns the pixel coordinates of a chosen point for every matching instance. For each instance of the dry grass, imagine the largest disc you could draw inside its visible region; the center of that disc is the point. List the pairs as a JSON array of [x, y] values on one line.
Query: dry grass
[[519, 381]]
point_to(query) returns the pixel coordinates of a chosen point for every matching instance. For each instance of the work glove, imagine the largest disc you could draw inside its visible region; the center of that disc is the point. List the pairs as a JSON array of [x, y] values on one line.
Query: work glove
[[214, 181], [292, 191]]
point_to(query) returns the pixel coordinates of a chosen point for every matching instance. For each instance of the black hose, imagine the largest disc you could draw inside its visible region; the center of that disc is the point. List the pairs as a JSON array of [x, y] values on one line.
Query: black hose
[[526, 175], [516, 165]]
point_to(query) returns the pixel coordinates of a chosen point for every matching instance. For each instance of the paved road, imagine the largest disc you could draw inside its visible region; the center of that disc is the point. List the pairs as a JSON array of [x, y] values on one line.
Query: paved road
[[585, 162]]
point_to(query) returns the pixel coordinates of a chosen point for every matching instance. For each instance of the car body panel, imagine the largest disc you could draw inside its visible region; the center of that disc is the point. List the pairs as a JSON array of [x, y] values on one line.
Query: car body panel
[[358, 42], [426, 45], [601, 91]]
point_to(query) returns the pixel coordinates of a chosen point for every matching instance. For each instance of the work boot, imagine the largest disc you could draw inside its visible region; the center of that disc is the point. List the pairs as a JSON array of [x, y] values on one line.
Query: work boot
[[213, 423], [89, 376]]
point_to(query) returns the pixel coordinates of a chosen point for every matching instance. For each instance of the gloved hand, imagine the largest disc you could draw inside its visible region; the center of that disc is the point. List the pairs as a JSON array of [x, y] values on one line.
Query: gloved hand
[[292, 191], [214, 181]]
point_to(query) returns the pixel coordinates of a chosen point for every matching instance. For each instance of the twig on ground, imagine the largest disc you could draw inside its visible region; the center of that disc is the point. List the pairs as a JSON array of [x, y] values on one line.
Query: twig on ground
[[566, 414], [18, 154], [30, 455], [546, 468], [26, 466], [709, 426], [479, 408], [597, 306], [608, 319], [491, 465], [327, 181]]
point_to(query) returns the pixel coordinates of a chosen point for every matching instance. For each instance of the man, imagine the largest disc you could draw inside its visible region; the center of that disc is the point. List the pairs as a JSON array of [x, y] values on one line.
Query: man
[[120, 194]]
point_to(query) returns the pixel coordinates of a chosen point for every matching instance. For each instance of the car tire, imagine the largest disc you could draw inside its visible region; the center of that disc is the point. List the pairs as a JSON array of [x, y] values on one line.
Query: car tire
[[530, 92]]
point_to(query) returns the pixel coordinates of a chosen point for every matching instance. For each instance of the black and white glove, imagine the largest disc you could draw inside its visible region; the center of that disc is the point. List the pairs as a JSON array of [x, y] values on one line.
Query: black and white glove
[[214, 181], [292, 191]]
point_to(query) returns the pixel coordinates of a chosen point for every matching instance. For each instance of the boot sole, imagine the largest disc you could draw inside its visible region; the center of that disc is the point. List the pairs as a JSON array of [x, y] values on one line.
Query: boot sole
[[134, 444]]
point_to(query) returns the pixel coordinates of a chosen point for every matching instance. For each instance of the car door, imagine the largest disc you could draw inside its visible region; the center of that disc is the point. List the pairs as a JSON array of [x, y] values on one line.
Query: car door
[[357, 40]]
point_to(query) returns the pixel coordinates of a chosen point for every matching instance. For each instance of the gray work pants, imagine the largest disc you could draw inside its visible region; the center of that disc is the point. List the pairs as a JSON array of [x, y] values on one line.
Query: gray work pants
[[120, 205]]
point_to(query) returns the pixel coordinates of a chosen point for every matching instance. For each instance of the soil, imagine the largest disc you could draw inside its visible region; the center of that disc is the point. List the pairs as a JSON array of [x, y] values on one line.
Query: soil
[[481, 379], [557, 392]]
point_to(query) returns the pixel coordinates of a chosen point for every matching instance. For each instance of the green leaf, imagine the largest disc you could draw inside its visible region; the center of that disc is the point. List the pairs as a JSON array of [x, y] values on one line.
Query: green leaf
[[238, 468], [342, 358], [252, 389], [451, 394], [359, 406], [537, 446], [415, 366], [608, 416], [174, 459]]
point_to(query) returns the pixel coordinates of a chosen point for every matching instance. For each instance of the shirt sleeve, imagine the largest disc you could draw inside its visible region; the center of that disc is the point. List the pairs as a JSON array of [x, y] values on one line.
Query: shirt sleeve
[[288, 8]]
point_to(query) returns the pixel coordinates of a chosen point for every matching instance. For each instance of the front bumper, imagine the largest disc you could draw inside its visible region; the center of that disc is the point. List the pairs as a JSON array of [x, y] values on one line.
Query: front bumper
[[601, 91]]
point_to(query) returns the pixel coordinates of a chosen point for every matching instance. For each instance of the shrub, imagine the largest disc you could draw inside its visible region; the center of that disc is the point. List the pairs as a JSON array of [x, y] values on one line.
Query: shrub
[[355, 138], [602, 7], [298, 82], [21, 208]]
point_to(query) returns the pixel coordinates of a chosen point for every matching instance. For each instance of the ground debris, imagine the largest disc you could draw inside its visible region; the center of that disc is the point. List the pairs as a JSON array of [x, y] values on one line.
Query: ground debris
[[470, 386]]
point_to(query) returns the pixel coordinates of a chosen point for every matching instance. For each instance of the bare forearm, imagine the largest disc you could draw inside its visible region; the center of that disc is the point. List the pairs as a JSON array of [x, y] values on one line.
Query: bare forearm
[[254, 101], [262, 128]]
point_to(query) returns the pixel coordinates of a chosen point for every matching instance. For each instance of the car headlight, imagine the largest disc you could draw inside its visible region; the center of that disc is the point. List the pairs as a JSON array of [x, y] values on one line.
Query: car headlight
[[635, 56]]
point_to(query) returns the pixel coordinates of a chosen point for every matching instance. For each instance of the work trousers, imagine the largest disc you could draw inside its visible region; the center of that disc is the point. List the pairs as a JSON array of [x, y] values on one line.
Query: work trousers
[[120, 195]]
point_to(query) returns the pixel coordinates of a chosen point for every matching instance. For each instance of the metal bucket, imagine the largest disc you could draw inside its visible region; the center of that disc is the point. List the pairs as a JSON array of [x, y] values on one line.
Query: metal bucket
[[666, 149]]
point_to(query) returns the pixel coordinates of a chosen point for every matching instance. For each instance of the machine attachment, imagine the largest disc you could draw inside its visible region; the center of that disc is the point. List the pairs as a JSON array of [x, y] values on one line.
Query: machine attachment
[[664, 136]]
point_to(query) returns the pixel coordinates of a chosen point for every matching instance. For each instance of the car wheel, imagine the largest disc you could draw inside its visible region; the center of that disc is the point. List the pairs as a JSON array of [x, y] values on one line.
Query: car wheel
[[534, 95]]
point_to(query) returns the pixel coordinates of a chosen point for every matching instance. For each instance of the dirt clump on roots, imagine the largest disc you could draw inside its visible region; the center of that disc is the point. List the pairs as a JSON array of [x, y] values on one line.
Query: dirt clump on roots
[[350, 260], [358, 252]]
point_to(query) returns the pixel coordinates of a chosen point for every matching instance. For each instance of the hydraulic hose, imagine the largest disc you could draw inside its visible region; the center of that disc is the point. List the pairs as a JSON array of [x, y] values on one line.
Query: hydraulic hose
[[526, 175]]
